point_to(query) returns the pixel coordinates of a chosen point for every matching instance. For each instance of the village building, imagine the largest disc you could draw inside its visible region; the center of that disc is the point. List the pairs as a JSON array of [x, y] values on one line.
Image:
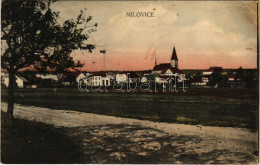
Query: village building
[[167, 70], [49, 76], [205, 79], [99, 79], [111, 76], [146, 78], [82, 76], [214, 69], [19, 80], [231, 77], [124, 77], [121, 78]]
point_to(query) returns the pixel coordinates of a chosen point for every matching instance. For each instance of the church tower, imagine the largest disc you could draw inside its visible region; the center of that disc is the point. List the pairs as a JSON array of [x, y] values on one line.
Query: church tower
[[174, 59]]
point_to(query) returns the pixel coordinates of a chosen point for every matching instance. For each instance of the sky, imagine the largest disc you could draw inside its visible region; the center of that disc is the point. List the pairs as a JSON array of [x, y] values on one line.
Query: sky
[[205, 34]]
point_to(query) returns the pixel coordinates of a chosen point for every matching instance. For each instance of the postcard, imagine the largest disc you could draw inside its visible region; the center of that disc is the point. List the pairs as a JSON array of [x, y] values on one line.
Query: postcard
[[129, 82]]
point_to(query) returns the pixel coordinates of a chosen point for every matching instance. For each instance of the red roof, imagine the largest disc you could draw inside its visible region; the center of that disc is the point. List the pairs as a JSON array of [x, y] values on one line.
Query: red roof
[[174, 54], [162, 66], [215, 69]]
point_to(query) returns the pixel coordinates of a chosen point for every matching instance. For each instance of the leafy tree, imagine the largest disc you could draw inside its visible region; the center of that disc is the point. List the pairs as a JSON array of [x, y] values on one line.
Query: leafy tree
[[217, 78], [240, 73], [34, 38]]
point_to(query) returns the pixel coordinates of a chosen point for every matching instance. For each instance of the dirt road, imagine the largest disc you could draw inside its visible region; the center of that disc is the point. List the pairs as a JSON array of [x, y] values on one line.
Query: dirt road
[[108, 139]]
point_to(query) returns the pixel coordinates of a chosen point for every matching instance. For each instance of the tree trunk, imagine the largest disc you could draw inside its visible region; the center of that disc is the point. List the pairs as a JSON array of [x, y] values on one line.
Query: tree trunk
[[10, 107]]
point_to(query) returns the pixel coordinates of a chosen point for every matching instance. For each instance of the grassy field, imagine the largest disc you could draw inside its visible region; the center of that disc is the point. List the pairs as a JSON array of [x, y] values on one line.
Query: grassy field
[[27, 142], [212, 107]]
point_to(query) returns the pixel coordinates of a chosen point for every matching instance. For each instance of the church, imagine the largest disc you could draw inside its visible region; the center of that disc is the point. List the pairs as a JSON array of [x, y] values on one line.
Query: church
[[166, 69]]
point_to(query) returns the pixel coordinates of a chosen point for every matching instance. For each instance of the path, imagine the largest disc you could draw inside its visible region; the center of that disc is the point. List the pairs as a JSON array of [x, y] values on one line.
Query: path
[[109, 139]]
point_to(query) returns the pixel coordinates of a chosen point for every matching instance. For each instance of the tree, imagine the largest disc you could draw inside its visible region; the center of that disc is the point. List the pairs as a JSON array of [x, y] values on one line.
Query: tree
[[217, 78], [34, 38], [240, 73]]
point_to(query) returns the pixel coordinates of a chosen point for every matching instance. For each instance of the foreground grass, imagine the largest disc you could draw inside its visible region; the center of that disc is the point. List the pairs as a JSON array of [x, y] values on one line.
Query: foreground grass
[[27, 142], [212, 107]]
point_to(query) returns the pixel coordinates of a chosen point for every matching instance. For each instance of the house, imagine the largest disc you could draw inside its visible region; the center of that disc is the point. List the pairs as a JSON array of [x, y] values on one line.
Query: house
[[32, 80], [170, 72], [81, 76], [19, 80], [121, 78], [99, 79], [4, 79], [231, 77], [214, 69], [50, 76], [111, 76], [146, 77], [205, 79]]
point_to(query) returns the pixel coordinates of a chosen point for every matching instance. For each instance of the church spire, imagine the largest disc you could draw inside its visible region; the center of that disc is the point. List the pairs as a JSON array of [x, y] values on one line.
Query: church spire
[[174, 59], [174, 54]]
